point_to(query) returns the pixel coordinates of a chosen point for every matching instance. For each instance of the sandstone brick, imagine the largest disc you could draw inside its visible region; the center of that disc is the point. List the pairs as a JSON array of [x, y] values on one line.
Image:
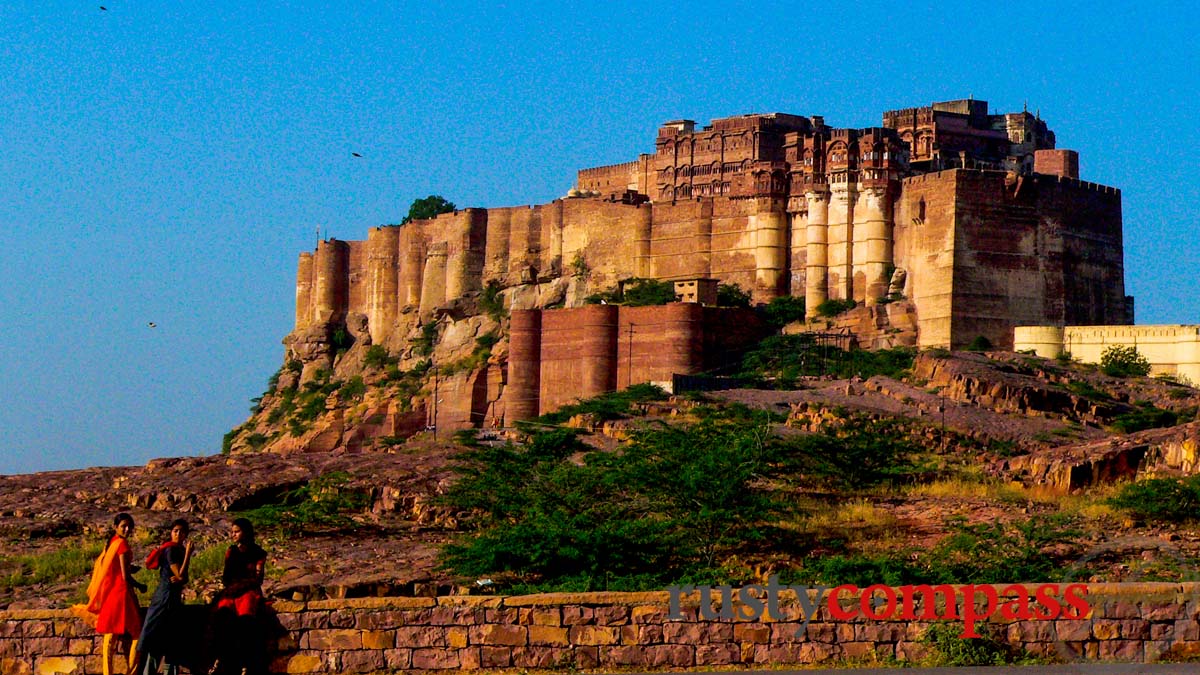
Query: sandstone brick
[[14, 666], [548, 635], [1123, 609], [495, 657], [870, 632], [857, 650], [1070, 630], [541, 657], [1155, 650], [81, 647], [47, 646], [362, 661], [1164, 611], [577, 616], [66, 629], [718, 654], [1134, 629], [611, 616], [622, 656], [11, 629], [378, 639], [912, 651], [1121, 650], [342, 619], [587, 657], [647, 614], [494, 634], [287, 642], [420, 636], [332, 639], [790, 632], [469, 658], [508, 615], [435, 659], [1105, 629], [59, 665], [457, 637], [595, 635], [673, 656], [452, 616], [381, 620], [304, 663], [33, 629], [751, 632], [1162, 631], [775, 653], [1188, 629], [398, 659]]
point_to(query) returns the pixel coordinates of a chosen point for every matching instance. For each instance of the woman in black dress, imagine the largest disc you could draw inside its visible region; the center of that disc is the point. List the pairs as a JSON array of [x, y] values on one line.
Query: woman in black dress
[[160, 629]]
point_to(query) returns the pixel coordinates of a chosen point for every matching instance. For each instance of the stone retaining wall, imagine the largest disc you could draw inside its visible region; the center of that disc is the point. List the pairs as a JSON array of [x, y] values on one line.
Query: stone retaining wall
[[1128, 622]]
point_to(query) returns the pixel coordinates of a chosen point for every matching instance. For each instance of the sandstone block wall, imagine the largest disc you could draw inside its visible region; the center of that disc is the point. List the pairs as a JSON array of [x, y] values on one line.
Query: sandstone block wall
[[560, 356], [1171, 350], [1128, 622]]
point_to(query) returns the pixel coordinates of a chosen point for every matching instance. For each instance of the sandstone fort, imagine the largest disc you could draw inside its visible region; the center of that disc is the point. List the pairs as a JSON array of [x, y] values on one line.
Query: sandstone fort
[[945, 224]]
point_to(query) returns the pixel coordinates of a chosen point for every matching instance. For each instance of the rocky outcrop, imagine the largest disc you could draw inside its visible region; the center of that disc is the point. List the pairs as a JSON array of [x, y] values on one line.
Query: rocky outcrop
[[1175, 450]]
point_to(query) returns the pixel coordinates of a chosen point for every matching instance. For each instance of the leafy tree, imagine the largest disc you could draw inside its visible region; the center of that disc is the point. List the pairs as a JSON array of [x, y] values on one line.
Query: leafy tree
[[427, 207], [732, 295], [661, 509], [783, 310], [1124, 361], [636, 293]]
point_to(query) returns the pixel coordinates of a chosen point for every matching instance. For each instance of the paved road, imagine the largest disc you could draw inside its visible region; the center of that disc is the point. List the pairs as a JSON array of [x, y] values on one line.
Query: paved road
[[1068, 669]]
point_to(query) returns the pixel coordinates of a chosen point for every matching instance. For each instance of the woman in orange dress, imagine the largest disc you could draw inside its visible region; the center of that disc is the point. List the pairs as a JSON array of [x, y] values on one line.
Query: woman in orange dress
[[112, 597]]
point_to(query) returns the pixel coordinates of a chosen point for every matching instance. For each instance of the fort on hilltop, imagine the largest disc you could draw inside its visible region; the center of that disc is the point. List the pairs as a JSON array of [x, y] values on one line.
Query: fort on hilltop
[[945, 224]]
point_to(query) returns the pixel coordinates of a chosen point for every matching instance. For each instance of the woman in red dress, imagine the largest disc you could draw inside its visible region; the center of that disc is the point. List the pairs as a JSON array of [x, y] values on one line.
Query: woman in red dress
[[239, 629], [112, 597]]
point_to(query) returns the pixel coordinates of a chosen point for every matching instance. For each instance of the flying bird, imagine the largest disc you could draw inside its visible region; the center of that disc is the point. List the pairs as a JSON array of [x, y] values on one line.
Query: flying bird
[[356, 155], [152, 324], [103, 8]]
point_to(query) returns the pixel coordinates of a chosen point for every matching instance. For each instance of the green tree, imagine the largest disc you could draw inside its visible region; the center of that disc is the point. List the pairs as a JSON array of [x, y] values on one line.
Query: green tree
[[427, 207], [1124, 361], [732, 295]]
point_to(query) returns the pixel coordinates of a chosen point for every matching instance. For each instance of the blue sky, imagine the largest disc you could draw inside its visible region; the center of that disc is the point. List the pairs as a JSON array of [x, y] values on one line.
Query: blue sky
[[167, 162]]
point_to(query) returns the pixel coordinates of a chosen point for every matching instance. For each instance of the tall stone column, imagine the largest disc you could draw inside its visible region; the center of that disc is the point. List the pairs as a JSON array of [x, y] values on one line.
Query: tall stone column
[[644, 225], [877, 236], [816, 279], [304, 287], [433, 282], [598, 349], [524, 365], [412, 265], [842, 198], [383, 271], [332, 264], [770, 248]]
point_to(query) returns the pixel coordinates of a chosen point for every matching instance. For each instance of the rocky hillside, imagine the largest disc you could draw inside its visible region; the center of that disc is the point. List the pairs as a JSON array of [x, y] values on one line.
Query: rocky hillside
[[1003, 437]]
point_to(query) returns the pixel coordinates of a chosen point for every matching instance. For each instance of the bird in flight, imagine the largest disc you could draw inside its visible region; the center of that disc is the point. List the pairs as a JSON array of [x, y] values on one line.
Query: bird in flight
[[356, 155], [103, 8], [152, 324]]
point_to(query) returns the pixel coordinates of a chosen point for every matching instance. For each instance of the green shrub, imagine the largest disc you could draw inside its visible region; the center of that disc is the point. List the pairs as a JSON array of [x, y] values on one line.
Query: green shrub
[[74, 560], [377, 357], [950, 649], [1087, 390], [832, 308], [783, 310], [1146, 417], [326, 502], [994, 553], [353, 389], [228, 439], [979, 344], [857, 454], [610, 406], [423, 345], [1168, 499], [340, 340], [730, 295], [1124, 361], [256, 440], [636, 293], [787, 357], [491, 302], [661, 509]]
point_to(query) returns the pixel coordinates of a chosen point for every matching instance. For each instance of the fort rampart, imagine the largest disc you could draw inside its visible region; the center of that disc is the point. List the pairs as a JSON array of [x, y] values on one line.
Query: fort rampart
[[1171, 350], [1127, 622]]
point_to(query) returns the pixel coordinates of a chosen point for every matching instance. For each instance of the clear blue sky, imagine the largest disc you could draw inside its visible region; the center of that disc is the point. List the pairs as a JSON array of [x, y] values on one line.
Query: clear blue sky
[[167, 161]]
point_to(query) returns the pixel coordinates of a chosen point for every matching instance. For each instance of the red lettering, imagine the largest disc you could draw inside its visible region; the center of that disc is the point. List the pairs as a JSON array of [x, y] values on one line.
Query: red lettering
[[970, 613], [1017, 607], [835, 610], [929, 601], [1075, 595], [1045, 597], [867, 602]]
